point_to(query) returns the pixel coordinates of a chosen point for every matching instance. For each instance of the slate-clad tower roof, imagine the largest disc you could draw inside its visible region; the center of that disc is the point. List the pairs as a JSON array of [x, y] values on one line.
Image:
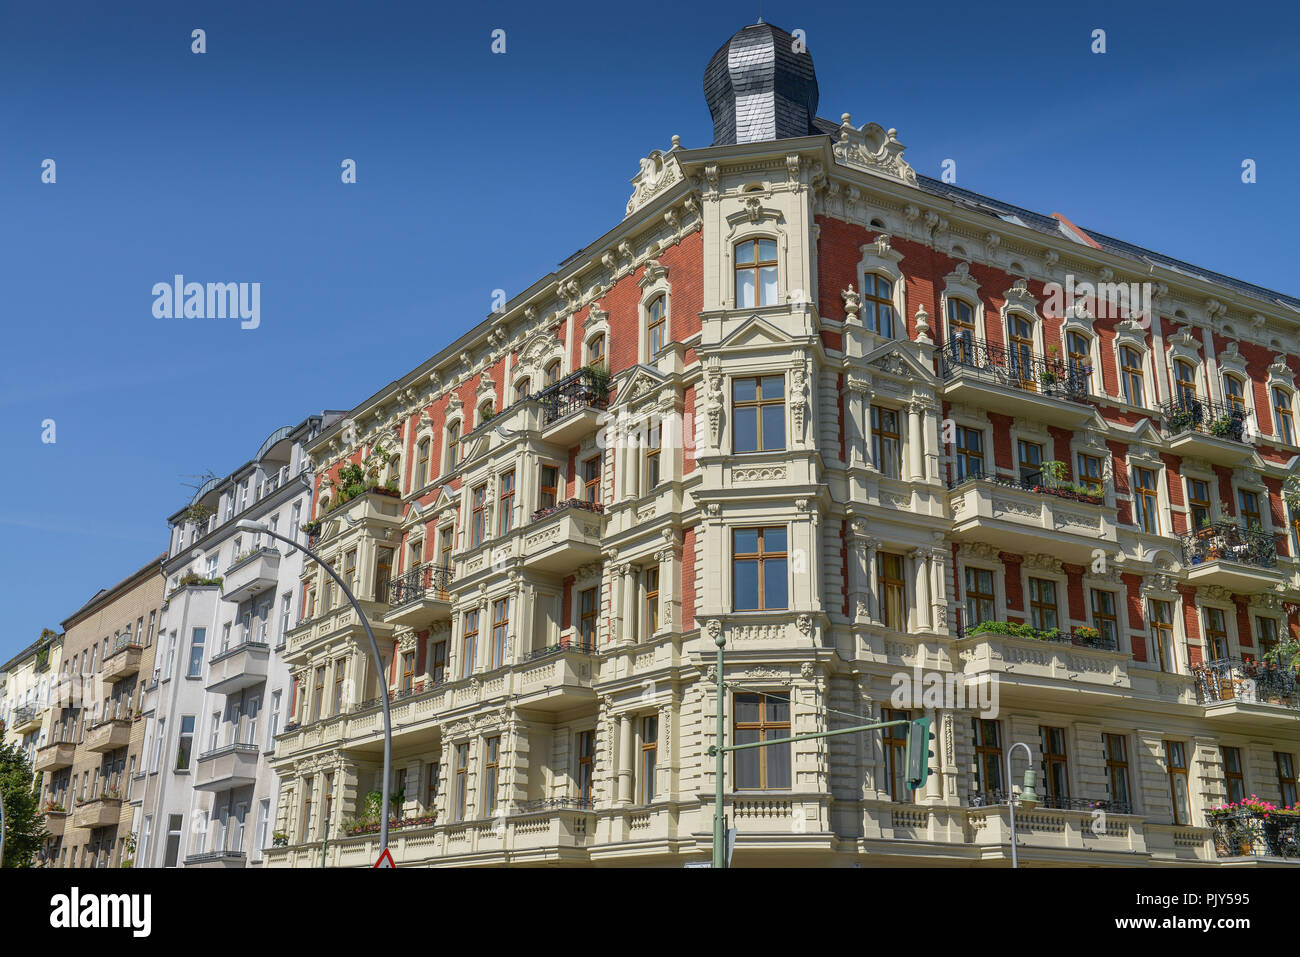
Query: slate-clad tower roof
[[760, 86]]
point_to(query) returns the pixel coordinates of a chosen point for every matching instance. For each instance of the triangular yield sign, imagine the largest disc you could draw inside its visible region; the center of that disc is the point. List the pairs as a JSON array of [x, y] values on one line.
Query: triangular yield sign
[[385, 860]]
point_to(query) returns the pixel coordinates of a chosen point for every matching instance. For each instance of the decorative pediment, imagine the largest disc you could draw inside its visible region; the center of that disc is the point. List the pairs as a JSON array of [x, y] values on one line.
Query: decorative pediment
[[659, 170], [1231, 360], [538, 348], [1280, 372], [755, 332], [893, 360], [642, 382], [873, 149], [1019, 297]]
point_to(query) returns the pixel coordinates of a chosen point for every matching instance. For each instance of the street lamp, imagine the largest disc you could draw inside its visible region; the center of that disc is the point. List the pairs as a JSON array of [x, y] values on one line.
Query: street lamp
[[251, 526], [1028, 796]]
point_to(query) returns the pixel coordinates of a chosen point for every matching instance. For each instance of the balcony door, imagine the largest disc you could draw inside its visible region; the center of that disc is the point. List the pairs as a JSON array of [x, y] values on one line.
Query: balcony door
[[1021, 350]]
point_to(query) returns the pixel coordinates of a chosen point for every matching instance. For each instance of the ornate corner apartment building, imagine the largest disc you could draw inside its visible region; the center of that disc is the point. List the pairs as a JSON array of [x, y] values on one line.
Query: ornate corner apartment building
[[211, 711], [93, 746], [846, 418], [26, 683]]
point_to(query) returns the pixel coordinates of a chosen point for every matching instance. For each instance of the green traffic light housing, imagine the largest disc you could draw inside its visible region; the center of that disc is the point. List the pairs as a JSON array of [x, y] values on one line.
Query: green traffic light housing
[[919, 754]]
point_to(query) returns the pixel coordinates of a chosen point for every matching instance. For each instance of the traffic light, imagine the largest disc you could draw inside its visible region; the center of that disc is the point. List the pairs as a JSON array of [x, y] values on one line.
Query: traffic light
[[918, 753]]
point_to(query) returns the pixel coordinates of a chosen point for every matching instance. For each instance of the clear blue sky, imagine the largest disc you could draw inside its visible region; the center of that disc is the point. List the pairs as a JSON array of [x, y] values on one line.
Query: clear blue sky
[[479, 171]]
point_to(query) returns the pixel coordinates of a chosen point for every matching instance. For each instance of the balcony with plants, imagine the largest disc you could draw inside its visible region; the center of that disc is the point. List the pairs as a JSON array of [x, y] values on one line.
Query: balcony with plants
[[573, 407], [1032, 662], [1206, 430], [250, 574], [1240, 559], [1252, 693], [1016, 382], [1255, 828], [564, 536]]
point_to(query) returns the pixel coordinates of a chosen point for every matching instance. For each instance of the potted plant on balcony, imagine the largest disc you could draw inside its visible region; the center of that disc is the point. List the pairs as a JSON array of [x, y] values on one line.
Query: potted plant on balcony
[[1184, 420], [279, 839]]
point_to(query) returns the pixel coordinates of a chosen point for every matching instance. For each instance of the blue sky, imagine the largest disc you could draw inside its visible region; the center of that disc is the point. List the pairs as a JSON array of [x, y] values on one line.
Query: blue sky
[[479, 171]]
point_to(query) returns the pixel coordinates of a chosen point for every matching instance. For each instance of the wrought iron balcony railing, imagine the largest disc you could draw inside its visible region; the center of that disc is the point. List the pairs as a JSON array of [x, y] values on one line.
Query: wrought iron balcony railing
[[594, 507], [1230, 542], [1089, 492], [1247, 833], [1187, 413], [564, 803], [997, 797], [1250, 682], [1015, 369], [418, 582], [586, 388], [579, 647]]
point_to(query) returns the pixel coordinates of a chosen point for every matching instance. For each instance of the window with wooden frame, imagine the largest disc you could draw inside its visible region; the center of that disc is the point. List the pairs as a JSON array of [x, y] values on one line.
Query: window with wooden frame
[[761, 717], [1146, 512], [1286, 783], [408, 672], [961, 331], [591, 479], [446, 541], [1029, 456], [1078, 359], [478, 513], [759, 571], [1283, 415], [547, 485], [1056, 771], [438, 662], [1249, 508], [431, 787], [1162, 633], [586, 751], [1216, 634], [523, 389], [756, 264], [1104, 616], [980, 602], [383, 572], [968, 445], [878, 305], [1117, 780], [506, 503], [469, 643], [891, 591], [650, 586], [893, 741], [654, 441], [1042, 603], [1266, 630], [649, 757], [350, 568], [987, 771], [588, 616], [453, 445], [1198, 503], [462, 780], [1184, 382], [1233, 777], [340, 683], [553, 372], [1020, 350], [307, 822], [656, 326], [318, 693], [421, 477], [1176, 766], [1091, 472], [886, 442], [1130, 374], [596, 352], [491, 774], [758, 414], [1234, 393], [500, 632]]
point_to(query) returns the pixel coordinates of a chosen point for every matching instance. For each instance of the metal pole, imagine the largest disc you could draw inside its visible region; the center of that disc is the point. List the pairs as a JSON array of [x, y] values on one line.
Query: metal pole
[[2, 829], [1011, 798], [719, 856], [374, 651]]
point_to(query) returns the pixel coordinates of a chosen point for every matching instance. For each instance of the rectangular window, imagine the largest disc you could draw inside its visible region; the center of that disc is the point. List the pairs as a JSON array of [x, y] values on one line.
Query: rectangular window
[[653, 447], [185, 745], [886, 446], [421, 477], [1104, 618], [894, 742], [453, 445], [477, 531], [1117, 771], [980, 604], [755, 267], [438, 669], [500, 630], [431, 791], [1056, 775], [197, 637], [762, 717], [506, 503], [174, 824], [408, 671], [1130, 361], [1216, 634], [588, 611], [308, 797], [550, 480], [760, 580], [1233, 777], [1031, 462], [1042, 603], [491, 774], [1249, 502], [318, 693], [891, 591], [650, 586], [591, 479], [970, 453], [470, 643], [350, 569], [586, 747], [649, 757], [1282, 413], [1286, 784], [987, 772], [1162, 633], [1266, 628], [1176, 764], [383, 573], [758, 414], [1198, 502], [1090, 472], [1145, 510], [462, 780]]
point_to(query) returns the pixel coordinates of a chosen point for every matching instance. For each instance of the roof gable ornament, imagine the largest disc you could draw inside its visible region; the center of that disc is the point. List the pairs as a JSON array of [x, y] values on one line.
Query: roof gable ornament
[[873, 149], [659, 170]]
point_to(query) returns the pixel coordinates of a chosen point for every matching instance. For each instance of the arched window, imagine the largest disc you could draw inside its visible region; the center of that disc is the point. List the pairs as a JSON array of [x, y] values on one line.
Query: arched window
[[1130, 374], [1184, 382], [486, 411], [323, 506], [1078, 360], [421, 477], [1234, 393], [596, 352], [961, 331], [522, 388], [1282, 413], [553, 372], [878, 305], [453, 445], [655, 330], [1020, 349], [755, 273]]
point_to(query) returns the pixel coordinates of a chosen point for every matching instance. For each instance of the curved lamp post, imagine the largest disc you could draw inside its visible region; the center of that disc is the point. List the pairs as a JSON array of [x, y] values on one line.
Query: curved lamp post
[[1027, 794], [249, 525]]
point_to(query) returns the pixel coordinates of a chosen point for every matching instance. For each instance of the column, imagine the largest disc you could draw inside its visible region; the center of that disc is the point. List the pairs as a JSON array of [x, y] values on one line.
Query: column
[[625, 759], [915, 443], [873, 600], [857, 586], [939, 587], [922, 586], [631, 617]]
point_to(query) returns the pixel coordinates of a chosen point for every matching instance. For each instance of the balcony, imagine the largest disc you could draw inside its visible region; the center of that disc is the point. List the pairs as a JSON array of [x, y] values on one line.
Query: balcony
[[1034, 516], [574, 406], [239, 667], [55, 819], [1031, 666], [556, 678], [123, 661], [108, 735], [1239, 559], [225, 860], [420, 597], [1248, 693], [1246, 833], [1199, 428], [1015, 383], [54, 756], [25, 719], [563, 537], [234, 766], [1057, 828], [251, 575], [98, 812]]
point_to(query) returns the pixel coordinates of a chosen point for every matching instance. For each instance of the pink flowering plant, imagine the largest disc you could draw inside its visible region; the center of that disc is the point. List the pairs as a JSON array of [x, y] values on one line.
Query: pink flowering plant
[[1255, 805]]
